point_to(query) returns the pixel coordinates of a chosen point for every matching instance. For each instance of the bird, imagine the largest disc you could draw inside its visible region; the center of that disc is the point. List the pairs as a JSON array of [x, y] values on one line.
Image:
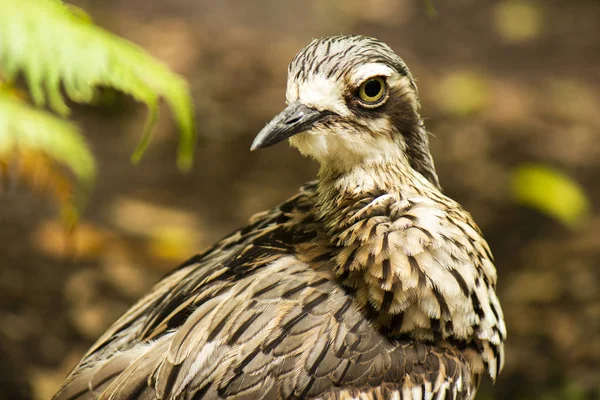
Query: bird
[[369, 283]]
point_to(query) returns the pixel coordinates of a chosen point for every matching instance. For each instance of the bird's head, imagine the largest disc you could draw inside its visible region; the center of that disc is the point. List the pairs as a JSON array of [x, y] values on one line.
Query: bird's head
[[352, 101]]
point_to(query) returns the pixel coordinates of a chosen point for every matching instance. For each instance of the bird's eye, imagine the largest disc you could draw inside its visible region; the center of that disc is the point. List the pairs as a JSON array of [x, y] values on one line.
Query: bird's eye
[[372, 92]]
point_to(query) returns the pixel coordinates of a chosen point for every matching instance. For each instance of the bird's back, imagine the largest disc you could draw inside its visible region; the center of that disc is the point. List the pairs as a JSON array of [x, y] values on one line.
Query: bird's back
[[261, 315]]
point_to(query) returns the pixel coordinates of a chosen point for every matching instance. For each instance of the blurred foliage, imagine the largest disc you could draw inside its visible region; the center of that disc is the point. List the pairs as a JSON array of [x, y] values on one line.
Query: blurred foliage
[[463, 93], [430, 9], [54, 47], [551, 192], [518, 21], [172, 242]]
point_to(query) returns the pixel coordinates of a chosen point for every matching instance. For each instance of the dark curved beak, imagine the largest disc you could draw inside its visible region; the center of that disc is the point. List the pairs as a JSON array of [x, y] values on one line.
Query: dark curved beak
[[296, 118]]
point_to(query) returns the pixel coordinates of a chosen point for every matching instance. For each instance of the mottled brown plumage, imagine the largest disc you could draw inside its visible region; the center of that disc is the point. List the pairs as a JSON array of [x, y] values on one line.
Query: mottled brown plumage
[[369, 284]]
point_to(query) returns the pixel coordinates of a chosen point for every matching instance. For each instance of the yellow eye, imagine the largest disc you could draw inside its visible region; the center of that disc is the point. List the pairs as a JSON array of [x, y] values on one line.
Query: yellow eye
[[372, 91]]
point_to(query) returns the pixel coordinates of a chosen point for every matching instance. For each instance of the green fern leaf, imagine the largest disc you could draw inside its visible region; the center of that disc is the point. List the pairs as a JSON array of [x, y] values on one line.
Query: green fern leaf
[[50, 46], [36, 140], [24, 128]]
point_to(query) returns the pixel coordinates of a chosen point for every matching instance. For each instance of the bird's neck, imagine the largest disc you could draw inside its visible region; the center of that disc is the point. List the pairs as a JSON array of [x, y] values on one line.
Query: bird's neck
[[367, 180], [366, 213]]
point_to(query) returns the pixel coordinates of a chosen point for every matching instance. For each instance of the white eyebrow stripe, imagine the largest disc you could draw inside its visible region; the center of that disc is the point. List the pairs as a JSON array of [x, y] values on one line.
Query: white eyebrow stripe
[[325, 93], [366, 71]]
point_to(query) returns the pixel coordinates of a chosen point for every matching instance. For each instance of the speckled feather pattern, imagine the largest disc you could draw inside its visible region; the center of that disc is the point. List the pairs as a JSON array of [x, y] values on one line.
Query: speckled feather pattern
[[368, 284]]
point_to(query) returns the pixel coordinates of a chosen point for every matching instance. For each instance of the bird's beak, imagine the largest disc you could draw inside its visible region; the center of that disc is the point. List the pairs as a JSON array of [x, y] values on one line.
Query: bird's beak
[[296, 118]]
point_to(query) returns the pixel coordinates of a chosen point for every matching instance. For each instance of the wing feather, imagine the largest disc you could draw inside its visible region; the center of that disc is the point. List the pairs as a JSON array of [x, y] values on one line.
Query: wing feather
[[251, 319]]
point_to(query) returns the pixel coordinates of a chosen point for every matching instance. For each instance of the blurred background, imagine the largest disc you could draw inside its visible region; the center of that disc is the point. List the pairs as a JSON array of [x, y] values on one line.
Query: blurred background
[[510, 91]]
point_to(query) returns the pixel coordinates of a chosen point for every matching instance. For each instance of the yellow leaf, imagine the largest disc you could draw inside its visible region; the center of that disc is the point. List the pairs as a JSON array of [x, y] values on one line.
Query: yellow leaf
[[551, 192], [171, 242]]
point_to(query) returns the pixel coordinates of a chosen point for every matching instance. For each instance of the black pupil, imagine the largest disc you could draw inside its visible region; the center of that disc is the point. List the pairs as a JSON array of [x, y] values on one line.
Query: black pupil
[[372, 88]]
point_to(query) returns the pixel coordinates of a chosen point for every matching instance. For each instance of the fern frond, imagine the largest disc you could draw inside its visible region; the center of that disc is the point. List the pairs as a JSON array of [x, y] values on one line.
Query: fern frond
[[25, 128], [50, 46], [28, 134]]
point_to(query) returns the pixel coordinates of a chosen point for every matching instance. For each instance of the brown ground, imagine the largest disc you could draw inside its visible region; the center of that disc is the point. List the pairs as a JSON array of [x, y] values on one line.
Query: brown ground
[[502, 84]]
